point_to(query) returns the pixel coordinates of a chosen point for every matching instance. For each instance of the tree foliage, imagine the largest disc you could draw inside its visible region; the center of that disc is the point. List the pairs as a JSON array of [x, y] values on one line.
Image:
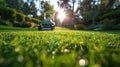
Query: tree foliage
[[70, 20], [92, 9], [21, 6], [64, 4], [46, 8], [26, 9], [2, 2], [16, 4]]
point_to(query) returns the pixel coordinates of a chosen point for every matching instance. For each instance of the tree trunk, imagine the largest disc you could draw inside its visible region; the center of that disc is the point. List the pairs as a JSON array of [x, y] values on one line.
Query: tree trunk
[[73, 4]]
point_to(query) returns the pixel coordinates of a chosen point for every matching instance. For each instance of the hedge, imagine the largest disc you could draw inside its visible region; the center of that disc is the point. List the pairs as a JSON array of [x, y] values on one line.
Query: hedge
[[10, 14], [36, 21], [28, 18], [20, 17]]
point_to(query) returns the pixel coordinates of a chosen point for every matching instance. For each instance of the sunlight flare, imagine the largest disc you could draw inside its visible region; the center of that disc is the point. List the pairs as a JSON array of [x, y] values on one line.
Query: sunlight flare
[[61, 15]]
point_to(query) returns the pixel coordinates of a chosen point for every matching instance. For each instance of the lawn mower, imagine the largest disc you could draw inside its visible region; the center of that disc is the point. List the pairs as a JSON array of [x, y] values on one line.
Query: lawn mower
[[47, 25]]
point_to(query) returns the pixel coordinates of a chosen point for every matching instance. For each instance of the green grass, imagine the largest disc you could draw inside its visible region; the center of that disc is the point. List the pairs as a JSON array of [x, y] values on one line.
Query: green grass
[[59, 48]]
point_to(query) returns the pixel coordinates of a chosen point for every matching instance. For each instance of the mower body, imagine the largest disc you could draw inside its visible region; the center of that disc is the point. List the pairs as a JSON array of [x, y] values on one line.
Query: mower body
[[47, 25]]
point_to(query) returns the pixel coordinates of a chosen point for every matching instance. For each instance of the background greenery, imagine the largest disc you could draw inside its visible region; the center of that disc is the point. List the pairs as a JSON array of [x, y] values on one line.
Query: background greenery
[[27, 47], [88, 13]]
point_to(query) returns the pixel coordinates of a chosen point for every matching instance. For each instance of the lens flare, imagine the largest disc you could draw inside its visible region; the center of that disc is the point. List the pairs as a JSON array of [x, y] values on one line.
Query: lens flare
[[61, 15]]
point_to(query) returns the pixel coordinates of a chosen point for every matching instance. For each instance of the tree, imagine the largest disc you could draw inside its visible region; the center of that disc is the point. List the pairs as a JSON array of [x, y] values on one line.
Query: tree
[[117, 4], [21, 3], [46, 7], [69, 11], [64, 4], [29, 8], [86, 10], [26, 8], [91, 9], [16, 4], [107, 4], [33, 9], [73, 1], [2, 3]]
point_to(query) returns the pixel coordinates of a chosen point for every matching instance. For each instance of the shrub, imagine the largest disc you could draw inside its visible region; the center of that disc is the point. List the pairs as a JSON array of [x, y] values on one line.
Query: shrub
[[3, 22], [117, 27], [26, 24], [105, 21], [20, 17], [17, 24], [93, 27], [32, 24], [108, 23], [22, 24], [108, 26], [79, 26], [114, 21]]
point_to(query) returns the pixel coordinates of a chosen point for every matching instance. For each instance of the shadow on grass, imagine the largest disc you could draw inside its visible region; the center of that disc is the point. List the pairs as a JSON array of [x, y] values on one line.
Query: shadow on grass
[[17, 29], [105, 31]]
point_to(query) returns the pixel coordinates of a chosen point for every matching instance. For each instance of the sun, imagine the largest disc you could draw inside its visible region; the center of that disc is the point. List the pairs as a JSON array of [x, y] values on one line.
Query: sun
[[61, 15]]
